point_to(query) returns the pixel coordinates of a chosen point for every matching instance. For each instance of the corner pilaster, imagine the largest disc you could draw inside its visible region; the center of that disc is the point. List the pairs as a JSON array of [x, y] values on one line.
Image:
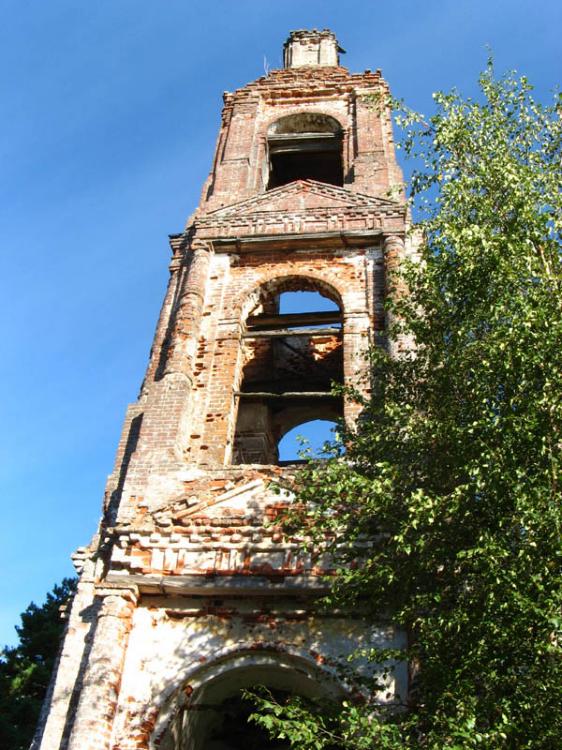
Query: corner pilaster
[[96, 708]]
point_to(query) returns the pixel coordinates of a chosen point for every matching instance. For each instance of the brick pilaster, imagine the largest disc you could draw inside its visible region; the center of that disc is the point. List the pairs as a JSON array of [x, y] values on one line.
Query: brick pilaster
[[394, 253], [95, 712]]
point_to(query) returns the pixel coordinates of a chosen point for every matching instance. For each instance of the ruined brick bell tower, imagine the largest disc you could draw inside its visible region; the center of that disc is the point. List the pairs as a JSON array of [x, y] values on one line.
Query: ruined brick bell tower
[[189, 592]]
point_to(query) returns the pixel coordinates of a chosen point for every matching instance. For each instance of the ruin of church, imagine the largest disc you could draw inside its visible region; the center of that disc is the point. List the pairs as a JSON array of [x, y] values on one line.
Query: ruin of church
[[190, 592]]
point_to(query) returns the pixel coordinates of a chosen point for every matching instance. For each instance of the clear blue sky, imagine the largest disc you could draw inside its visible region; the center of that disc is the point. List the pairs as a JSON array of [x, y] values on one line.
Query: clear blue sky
[[109, 114]]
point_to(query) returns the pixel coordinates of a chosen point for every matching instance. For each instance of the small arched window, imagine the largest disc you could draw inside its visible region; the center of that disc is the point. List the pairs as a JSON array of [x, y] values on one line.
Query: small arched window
[[305, 146]]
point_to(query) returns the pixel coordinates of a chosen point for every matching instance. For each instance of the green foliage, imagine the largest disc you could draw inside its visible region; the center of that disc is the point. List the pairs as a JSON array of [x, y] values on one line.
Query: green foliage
[[304, 723], [25, 669], [453, 472]]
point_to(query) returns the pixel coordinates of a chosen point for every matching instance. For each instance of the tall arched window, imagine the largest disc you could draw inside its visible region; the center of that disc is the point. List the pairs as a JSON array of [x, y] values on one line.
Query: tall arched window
[[292, 356], [305, 146]]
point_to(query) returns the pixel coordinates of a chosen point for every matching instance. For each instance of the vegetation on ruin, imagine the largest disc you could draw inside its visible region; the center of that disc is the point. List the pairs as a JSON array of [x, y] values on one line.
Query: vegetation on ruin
[[25, 669], [452, 477]]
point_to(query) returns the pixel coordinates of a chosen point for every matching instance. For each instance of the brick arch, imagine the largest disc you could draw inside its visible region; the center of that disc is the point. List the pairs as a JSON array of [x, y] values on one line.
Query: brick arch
[[334, 112], [305, 115], [288, 282], [287, 420], [229, 671]]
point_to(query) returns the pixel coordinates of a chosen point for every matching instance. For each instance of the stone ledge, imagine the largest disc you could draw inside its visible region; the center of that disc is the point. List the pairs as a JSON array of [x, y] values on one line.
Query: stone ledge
[[216, 585]]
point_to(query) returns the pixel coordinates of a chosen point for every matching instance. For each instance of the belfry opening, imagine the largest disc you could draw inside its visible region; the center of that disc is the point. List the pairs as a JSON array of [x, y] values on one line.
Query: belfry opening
[[291, 362], [306, 146]]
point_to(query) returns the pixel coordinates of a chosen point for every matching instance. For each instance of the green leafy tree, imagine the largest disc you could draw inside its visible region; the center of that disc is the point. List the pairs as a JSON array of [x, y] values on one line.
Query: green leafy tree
[[453, 472], [25, 669]]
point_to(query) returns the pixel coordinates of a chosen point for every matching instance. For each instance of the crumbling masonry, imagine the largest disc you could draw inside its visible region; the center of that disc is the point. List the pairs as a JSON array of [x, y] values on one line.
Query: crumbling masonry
[[189, 591]]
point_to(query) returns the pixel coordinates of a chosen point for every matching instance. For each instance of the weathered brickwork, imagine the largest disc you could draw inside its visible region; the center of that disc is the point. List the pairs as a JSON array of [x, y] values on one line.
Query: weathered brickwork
[[190, 590]]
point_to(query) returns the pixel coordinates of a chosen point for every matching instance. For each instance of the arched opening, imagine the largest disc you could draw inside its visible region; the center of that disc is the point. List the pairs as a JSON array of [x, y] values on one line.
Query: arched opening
[[293, 353], [215, 715], [305, 146], [306, 440]]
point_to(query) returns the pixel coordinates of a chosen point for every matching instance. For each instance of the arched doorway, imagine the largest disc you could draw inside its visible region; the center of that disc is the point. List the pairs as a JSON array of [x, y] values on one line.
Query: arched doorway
[[215, 715]]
